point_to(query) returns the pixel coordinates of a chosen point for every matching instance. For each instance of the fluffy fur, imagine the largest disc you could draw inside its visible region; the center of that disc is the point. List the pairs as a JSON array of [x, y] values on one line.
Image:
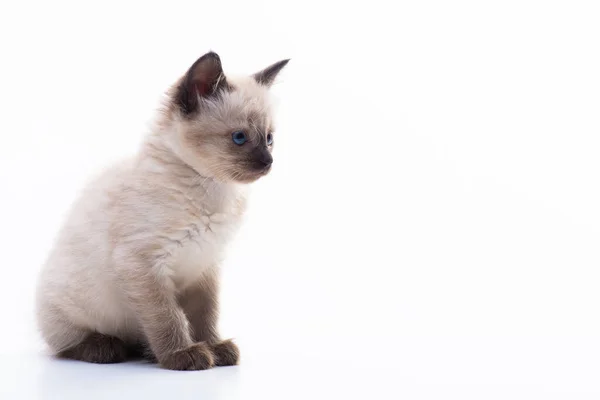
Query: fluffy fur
[[135, 267]]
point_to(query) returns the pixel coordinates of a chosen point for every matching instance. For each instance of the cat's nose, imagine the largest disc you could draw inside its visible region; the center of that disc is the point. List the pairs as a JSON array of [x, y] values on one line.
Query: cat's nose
[[266, 161], [263, 159]]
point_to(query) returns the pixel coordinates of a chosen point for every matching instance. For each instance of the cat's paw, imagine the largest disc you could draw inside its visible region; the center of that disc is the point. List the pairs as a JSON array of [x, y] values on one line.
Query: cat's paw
[[225, 353], [196, 357]]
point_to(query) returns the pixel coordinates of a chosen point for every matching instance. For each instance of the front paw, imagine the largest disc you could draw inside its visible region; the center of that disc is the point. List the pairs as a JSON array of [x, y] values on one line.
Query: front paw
[[194, 358], [225, 353]]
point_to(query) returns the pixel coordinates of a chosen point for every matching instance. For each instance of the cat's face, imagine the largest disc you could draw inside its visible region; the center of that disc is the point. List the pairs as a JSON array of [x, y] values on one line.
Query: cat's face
[[224, 125]]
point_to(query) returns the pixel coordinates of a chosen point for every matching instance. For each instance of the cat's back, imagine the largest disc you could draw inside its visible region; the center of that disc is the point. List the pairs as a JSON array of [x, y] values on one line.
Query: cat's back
[[82, 241], [85, 228], [76, 273]]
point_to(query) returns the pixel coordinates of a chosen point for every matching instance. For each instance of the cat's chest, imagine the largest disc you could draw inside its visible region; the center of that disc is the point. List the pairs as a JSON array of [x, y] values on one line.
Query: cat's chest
[[201, 231], [202, 247]]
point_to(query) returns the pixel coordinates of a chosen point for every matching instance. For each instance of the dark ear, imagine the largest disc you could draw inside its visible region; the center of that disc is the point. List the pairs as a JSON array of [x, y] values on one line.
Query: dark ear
[[204, 79], [268, 75]]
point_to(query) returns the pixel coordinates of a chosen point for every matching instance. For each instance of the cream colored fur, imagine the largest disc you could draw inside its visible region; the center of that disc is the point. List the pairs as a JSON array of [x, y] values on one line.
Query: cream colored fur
[[150, 227]]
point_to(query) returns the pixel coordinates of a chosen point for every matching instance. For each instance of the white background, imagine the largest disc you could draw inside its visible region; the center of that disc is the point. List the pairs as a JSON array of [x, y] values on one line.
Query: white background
[[431, 228]]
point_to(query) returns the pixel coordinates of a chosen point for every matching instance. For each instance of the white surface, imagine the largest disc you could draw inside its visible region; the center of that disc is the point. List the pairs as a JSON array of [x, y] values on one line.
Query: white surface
[[430, 229], [424, 369]]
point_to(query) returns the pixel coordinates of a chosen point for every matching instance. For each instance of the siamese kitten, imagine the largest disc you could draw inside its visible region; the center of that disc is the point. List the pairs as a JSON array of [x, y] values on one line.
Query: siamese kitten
[[135, 269]]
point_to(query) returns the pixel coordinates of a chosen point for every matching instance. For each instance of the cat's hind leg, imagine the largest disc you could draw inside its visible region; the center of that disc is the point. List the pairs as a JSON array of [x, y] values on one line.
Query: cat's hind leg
[[97, 348], [68, 340]]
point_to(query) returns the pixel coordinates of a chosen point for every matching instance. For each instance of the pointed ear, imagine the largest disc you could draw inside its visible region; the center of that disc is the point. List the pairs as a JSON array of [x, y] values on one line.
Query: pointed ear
[[268, 75], [205, 78]]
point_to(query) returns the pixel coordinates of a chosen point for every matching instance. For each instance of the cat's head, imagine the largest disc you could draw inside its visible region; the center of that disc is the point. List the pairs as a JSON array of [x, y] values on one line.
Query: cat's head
[[223, 126]]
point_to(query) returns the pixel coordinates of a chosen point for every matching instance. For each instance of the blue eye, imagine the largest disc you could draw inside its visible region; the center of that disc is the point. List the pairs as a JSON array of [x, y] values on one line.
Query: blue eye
[[239, 137], [270, 139]]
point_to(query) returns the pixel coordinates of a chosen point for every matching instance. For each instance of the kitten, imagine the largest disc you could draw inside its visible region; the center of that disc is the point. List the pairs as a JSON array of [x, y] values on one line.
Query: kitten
[[135, 268]]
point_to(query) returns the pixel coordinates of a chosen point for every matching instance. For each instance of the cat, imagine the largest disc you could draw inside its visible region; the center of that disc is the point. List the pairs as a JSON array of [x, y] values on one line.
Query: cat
[[134, 270]]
